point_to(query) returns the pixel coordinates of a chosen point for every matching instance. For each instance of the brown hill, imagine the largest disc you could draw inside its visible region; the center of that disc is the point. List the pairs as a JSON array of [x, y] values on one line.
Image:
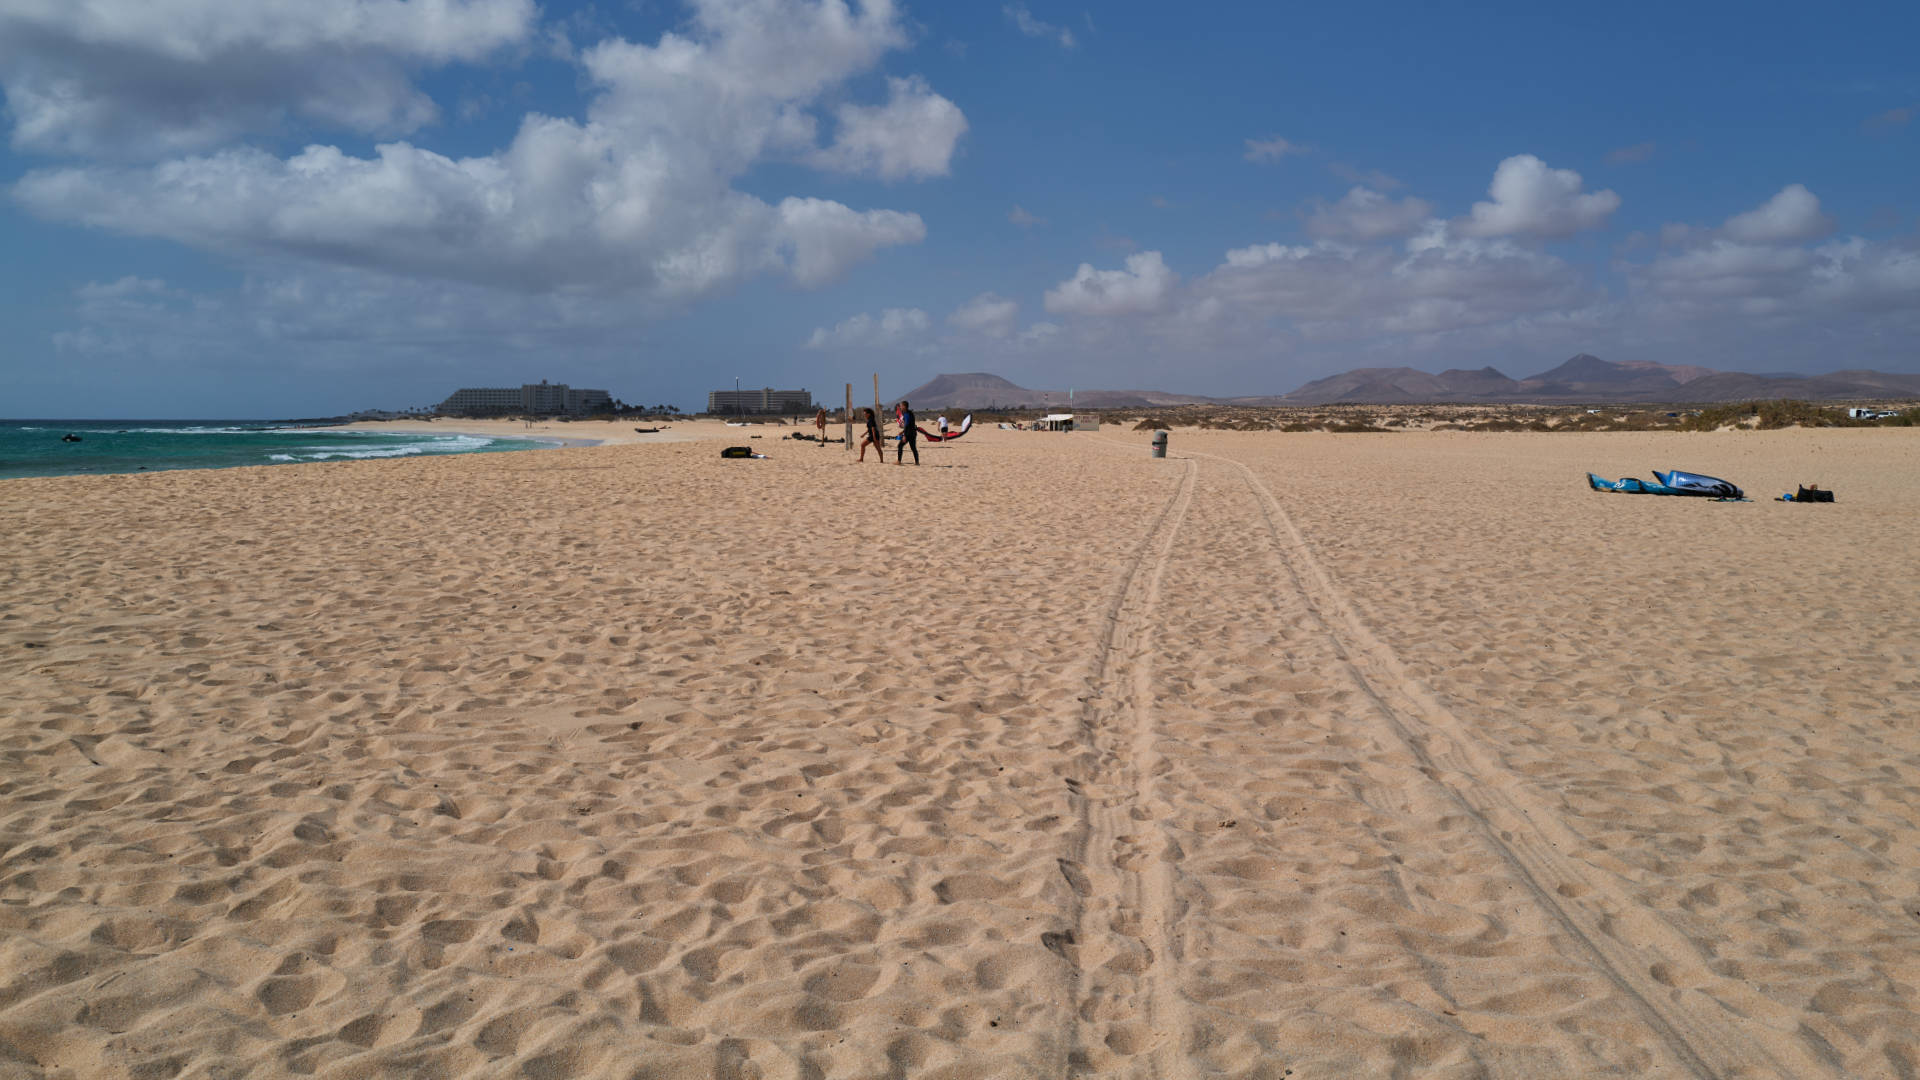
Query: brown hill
[[980, 390], [1586, 368], [1401, 386], [1840, 385], [1582, 379], [1486, 382], [1588, 380]]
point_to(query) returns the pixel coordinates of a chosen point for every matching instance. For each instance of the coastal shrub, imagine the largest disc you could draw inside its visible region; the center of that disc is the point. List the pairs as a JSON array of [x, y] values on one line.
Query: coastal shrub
[[1770, 415], [1153, 423], [1642, 421]]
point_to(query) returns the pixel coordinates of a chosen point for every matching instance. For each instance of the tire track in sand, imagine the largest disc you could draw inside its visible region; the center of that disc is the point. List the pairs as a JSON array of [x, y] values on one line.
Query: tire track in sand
[[1129, 1018], [1733, 1032]]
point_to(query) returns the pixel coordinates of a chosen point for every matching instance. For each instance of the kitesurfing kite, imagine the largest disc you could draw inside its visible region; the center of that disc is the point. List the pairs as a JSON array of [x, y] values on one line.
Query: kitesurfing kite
[[930, 436], [1670, 483]]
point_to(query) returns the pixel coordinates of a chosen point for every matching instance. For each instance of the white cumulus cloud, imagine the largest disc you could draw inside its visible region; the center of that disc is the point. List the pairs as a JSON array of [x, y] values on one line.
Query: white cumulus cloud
[[1530, 198], [1272, 314], [1021, 217], [1792, 214], [863, 331], [1440, 283], [1034, 28], [1143, 286], [1724, 279], [1365, 214], [1262, 254], [820, 239], [1272, 148], [912, 135], [1039, 333], [637, 197], [133, 78], [988, 313], [1760, 271]]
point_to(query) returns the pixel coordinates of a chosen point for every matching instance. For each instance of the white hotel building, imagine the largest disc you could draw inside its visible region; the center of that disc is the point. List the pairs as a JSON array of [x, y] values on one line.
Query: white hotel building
[[767, 400], [534, 399]]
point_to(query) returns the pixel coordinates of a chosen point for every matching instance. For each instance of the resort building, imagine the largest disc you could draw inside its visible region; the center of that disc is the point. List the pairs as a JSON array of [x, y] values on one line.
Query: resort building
[[768, 400], [534, 399]]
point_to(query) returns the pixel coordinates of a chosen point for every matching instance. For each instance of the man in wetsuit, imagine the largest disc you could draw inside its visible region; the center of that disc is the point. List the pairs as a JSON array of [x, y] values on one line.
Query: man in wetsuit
[[909, 437]]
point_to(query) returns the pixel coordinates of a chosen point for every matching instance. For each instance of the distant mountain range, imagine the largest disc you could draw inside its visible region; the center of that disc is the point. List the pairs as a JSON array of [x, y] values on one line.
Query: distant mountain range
[[980, 390], [1583, 380]]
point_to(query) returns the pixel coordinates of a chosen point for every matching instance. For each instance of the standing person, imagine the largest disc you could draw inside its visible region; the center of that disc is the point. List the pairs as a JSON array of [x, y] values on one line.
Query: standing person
[[909, 437], [820, 424], [943, 425], [872, 437]]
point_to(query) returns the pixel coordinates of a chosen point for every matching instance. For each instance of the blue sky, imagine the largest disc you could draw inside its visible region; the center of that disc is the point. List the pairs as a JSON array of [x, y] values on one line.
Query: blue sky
[[301, 207]]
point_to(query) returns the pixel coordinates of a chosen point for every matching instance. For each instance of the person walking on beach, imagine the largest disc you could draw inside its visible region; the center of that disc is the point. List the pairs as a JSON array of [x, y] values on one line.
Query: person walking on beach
[[820, 424], [872, 437], [909, 437]]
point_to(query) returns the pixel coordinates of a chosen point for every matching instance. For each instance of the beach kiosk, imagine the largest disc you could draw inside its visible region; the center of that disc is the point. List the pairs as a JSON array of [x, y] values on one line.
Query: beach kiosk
[[1059, 421]]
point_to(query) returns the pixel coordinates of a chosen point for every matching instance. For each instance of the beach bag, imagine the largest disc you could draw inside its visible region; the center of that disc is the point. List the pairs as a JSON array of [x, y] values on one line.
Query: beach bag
[[737, 452], [1812, 494]]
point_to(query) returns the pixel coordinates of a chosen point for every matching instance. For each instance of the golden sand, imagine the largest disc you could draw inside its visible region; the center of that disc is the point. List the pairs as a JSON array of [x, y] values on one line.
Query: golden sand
[[1307, 755]]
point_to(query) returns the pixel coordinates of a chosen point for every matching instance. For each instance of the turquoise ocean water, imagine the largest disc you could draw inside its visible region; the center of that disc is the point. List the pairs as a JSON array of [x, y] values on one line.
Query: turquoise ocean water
[[35, 447]]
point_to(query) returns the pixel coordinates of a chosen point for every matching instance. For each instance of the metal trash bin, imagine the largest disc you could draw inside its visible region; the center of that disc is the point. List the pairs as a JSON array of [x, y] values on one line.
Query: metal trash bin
[[1159, 444]]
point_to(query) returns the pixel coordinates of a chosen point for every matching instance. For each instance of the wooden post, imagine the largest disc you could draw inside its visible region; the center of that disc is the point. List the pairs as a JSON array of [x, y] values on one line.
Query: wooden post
[[849, 417]]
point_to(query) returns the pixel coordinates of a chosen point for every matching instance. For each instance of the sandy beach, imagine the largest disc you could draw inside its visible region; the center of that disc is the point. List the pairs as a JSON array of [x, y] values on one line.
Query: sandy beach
[[1293, 755]]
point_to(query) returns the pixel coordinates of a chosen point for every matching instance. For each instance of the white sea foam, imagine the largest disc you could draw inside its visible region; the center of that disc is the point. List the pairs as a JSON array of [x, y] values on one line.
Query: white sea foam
[[196, 430], [456, 443], [330, 453], [431, 444]]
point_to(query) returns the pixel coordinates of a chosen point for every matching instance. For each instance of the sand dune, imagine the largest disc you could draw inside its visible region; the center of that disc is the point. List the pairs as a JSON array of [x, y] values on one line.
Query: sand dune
[[1302, 755]]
